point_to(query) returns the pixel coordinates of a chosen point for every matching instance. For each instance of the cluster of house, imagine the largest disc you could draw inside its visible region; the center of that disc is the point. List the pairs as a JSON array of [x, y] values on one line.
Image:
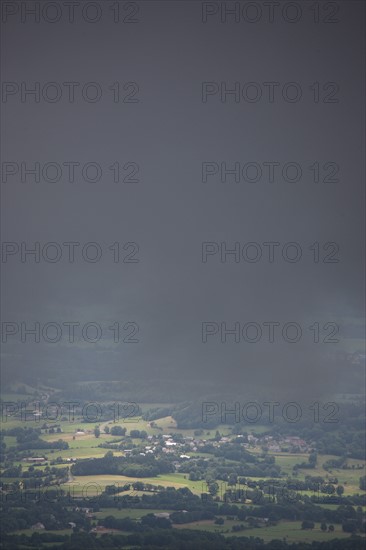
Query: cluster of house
[[170, 446], [89, 512], [279, 443], [292, 444], [40, 526]]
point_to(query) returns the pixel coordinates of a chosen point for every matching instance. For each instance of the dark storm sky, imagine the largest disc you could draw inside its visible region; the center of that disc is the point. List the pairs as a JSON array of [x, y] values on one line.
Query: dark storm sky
[[169, 133]]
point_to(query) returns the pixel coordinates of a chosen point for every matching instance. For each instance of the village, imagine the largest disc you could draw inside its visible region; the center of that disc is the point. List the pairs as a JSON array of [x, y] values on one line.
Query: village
[[185, 447]]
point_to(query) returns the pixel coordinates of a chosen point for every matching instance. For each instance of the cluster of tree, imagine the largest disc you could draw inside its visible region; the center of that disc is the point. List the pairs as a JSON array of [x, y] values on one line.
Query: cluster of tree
[[12, 471], [350, 526], [175, 499], [334, 463], [166, 498], [119, 497], [353, 500], [119, 431], [157, 412], [311, 463], [220, 468], [51, 428], [27, 512], [29, 438], [38, 443], [138, 434], [149, 521], [23, 434], [169, 539], [136, 466], [189, 416], [47, 476], [114, 489], [115, 430], [363, 483], [188, 517]]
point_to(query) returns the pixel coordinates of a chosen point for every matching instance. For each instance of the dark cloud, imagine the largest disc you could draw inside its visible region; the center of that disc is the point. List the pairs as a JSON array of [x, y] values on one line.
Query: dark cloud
[[169, 133]]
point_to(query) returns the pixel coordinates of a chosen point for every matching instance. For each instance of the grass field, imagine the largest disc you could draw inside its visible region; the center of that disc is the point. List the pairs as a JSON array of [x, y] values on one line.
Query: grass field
[[132, 513], [94, 485], [29, 532], [291, 530]]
